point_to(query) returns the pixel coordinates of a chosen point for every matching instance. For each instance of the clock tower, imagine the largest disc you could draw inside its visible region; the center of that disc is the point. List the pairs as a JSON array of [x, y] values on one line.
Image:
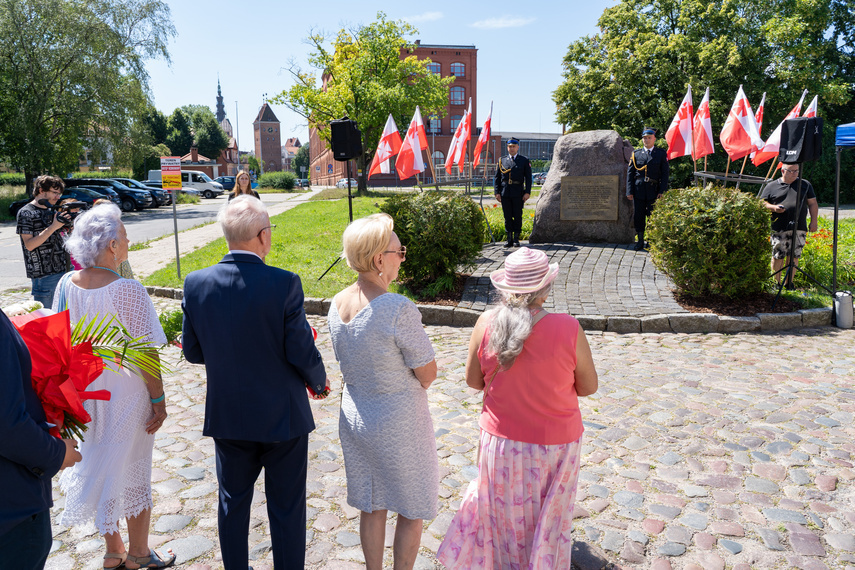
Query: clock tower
[[268, 140]]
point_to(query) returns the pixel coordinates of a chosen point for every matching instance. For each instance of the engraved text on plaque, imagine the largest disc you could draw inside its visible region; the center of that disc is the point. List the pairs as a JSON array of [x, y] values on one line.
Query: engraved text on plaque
[[590, 198]]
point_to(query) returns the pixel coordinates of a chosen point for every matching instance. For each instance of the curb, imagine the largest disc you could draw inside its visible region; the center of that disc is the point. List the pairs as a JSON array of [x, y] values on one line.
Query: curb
[[693, 323]]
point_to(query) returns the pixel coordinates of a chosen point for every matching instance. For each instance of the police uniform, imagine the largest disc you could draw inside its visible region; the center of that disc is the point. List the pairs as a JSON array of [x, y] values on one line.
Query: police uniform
[[646, 179], [513, 179]]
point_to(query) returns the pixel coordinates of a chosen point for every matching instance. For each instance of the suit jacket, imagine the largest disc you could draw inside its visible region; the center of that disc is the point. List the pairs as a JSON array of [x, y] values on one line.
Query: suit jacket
[[514, 181], [245, 321], [29, 455], [653, 167]]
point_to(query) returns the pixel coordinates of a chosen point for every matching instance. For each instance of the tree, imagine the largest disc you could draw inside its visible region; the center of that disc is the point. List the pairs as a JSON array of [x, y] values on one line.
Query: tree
[[634, 72], [301, 159], [154, 124], [367, 75], [73, 74], [179, 137], [253, 165], [209, 136]]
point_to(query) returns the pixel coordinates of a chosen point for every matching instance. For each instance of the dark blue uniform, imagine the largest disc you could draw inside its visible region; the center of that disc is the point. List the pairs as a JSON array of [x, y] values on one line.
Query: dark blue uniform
[[646, 179], [513, 179]]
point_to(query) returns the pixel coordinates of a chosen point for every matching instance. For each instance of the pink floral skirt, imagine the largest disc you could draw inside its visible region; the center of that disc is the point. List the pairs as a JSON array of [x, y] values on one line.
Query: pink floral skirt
[[518, 513]]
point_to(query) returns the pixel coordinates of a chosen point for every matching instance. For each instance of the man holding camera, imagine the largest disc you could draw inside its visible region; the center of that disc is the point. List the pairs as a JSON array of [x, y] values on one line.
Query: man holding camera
[[38, 226], [782, 199]]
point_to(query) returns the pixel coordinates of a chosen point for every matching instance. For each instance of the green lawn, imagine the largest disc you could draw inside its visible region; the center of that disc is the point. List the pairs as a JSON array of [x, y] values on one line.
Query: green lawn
[[307, 240]]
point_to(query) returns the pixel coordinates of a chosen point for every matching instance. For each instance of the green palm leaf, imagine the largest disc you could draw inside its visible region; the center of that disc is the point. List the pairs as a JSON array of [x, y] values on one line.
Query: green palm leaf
[[112, 342]]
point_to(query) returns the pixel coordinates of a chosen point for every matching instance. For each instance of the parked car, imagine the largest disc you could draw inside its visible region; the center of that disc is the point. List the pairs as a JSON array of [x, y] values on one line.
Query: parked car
[[160, 197], [303, 182], [228, 182], [539, 178], [343, 183], [184, 190], [93, 192], [196, 180], [131, 199]]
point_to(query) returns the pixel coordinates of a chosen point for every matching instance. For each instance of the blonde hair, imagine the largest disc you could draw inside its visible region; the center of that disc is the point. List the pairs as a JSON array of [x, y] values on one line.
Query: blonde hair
[[365, 238]]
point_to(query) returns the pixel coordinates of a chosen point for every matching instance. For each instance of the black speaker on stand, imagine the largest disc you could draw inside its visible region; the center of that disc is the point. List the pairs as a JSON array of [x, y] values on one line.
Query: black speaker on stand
[[346, 144], [801, 141]]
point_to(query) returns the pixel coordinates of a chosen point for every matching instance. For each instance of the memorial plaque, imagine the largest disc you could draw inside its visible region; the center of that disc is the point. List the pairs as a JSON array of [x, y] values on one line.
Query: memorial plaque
[[590, 198]]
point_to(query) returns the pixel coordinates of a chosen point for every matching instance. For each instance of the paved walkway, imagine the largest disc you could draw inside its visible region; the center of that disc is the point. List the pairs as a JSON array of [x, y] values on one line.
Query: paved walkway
[[700, 452]]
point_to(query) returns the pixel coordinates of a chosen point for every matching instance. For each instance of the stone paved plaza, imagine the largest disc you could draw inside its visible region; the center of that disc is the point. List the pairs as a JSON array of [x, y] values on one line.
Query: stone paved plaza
[[700, 452]]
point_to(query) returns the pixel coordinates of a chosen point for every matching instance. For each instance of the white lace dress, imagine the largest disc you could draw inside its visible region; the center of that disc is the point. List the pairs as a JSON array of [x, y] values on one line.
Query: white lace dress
[[113, 481]]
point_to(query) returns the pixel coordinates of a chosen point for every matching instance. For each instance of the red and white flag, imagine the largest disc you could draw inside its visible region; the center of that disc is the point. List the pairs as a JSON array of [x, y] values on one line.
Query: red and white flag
[[465, 135], [740, 136], [773, 143], [410, 160], [679, 134], [389, 145], [811, 110], [758, 118], [703, 136], [452, 148], [483, 138]]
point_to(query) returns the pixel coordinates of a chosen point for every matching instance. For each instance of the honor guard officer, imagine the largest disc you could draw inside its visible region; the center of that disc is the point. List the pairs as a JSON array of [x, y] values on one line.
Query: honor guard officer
[[646, 180], [512, 186]]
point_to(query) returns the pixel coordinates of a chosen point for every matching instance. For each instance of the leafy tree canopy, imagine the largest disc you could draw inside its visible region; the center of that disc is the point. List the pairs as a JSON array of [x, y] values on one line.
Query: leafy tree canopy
[[635, 71], [365, 74], [179, 137], [72, 74], [301, 159], [209, 136]]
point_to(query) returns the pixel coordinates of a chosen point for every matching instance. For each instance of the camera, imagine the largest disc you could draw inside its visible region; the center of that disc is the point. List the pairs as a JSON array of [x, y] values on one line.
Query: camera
[[65, 212]]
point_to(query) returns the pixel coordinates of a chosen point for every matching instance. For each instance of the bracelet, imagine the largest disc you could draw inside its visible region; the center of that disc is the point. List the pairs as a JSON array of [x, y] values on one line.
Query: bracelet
[[158, 400]]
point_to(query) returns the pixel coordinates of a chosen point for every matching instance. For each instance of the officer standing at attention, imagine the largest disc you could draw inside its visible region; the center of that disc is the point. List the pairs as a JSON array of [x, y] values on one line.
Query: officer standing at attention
[[512, 186], [646, 180]]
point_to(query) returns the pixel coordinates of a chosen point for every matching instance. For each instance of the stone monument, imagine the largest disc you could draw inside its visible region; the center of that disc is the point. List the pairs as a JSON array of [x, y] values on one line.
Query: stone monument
[[584, 196]]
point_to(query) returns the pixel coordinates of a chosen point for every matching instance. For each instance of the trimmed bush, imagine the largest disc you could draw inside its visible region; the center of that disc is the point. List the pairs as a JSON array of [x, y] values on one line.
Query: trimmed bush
[[171, 321], [441, 231], [104, 174], [13, 179], [278, 180], [711, 241]]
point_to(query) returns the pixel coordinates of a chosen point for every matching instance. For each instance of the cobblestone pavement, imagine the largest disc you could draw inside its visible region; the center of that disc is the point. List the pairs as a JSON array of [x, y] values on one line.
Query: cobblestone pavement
[[700, 452], [592, 280]]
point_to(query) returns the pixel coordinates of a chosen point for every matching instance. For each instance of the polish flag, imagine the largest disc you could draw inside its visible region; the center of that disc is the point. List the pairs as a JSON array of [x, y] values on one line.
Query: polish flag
[[811, 110], [410, 160], [758, 118], [739, 136], [465, 135], [452, 148], [390, 144], [484, 138], [679, 134], [703, 137], [773, 143]]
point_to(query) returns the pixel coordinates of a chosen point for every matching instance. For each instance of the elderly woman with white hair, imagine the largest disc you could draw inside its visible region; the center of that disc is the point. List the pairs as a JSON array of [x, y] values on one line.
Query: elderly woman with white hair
[[385, 427], [113, 481], [532, 365]]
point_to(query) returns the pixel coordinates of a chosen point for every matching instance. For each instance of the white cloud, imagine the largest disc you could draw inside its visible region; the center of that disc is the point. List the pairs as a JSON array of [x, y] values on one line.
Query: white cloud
[[425, 17], [503, 22]]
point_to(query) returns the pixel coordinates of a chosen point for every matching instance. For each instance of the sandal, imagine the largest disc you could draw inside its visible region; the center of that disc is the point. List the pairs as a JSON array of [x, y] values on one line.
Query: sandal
[[120, 555], [153, 560]]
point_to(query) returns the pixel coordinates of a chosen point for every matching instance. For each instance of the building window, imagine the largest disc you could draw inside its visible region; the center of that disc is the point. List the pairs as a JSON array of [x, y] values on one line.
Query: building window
[[457, 96], [434, 67], [434, 126], [458, 70], [438, 158], [455, 120]]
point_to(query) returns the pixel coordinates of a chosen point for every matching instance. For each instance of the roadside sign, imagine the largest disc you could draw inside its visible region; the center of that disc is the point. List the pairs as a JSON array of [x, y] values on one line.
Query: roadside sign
[[318, 168], [170, 172], [303, 169], [329, 168]]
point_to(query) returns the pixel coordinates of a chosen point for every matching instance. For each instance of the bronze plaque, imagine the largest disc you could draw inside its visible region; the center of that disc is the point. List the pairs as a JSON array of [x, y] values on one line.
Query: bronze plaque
[[590, 198]]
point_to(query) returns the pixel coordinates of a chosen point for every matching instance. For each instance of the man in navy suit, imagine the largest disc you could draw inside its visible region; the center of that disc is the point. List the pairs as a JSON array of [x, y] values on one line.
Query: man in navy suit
[[646, 181], [512, 186], [245, 321], [29, 457]]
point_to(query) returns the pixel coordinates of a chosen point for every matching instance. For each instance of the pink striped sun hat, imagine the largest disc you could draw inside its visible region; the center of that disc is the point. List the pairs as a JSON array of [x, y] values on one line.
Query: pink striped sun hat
[[525, 271]]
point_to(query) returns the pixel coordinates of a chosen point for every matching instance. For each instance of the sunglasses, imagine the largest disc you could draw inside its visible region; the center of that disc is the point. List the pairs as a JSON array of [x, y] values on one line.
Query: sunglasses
[[402, 253]]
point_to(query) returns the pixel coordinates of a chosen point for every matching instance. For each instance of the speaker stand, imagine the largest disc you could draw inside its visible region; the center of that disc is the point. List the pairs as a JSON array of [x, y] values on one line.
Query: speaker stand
[[349, 217]]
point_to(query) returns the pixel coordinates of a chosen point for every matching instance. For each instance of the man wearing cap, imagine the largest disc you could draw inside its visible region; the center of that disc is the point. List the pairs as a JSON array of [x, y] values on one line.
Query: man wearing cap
[[646, 180], [512, 186]]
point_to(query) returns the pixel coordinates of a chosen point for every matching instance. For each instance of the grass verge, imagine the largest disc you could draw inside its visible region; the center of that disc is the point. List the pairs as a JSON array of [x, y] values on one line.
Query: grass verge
[[9, 194], [307, 240]]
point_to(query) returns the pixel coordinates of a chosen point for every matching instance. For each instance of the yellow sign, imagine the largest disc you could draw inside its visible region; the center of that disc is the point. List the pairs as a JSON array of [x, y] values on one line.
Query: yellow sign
[[170, 172]]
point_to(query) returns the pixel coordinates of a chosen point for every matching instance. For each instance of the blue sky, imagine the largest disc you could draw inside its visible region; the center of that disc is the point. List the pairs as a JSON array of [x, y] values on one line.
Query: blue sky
[[520, 48]]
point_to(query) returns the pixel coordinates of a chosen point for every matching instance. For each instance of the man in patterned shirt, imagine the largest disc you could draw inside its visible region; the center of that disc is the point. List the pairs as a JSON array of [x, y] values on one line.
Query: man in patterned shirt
[[38, 226]]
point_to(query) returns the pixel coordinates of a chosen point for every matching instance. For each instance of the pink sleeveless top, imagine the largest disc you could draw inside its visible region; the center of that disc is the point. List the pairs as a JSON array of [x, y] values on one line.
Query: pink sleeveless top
[[535, 401]]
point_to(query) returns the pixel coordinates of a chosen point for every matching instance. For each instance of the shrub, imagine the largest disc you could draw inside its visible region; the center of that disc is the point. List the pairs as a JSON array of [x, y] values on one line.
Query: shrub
[[13, 179], [441, 231], [172, 322], [496, 219], [817, 255], [711, 241], [104, 174], [183, 198], [278, 180], [9, 194]]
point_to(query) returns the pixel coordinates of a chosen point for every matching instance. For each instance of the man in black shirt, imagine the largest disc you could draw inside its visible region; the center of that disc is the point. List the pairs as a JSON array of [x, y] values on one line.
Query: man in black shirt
[[782, 199], [44, 255]]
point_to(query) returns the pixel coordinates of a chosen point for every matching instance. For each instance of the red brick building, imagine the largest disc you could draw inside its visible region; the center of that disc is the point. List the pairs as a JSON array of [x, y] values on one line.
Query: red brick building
[[446, 60], [289, 151], [268, 140], [200, 163]]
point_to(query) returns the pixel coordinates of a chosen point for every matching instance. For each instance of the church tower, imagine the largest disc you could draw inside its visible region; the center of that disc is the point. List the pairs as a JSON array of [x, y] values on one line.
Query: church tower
[[268, 143], [221, 111]]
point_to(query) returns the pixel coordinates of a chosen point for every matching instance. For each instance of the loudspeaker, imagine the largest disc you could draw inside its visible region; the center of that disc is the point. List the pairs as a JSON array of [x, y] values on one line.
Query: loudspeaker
[[801, 140], [345, 139]]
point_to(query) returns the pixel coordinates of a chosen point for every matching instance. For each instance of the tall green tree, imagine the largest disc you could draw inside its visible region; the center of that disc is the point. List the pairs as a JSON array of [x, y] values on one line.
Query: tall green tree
[[154, 124], [301, 159], [367, 75], [179, 137], [209, 136], [635, 71], [72, 74]]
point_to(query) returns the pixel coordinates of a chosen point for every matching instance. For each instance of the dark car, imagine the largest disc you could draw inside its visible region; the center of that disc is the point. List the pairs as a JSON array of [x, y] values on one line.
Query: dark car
[[100, 192], [161, 198], [130, 198], [184, 190], [228, 182], [88, 195]]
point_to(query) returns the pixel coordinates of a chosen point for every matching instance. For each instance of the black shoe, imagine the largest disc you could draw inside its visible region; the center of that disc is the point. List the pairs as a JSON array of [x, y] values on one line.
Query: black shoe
[[639, 246], [516, 243], [509, 244], [790, 287]]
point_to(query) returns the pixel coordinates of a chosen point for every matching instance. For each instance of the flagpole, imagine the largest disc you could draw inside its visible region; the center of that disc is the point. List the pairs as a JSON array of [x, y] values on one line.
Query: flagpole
[[744, 160], [771, 166], [705, 163], [726, 170]]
